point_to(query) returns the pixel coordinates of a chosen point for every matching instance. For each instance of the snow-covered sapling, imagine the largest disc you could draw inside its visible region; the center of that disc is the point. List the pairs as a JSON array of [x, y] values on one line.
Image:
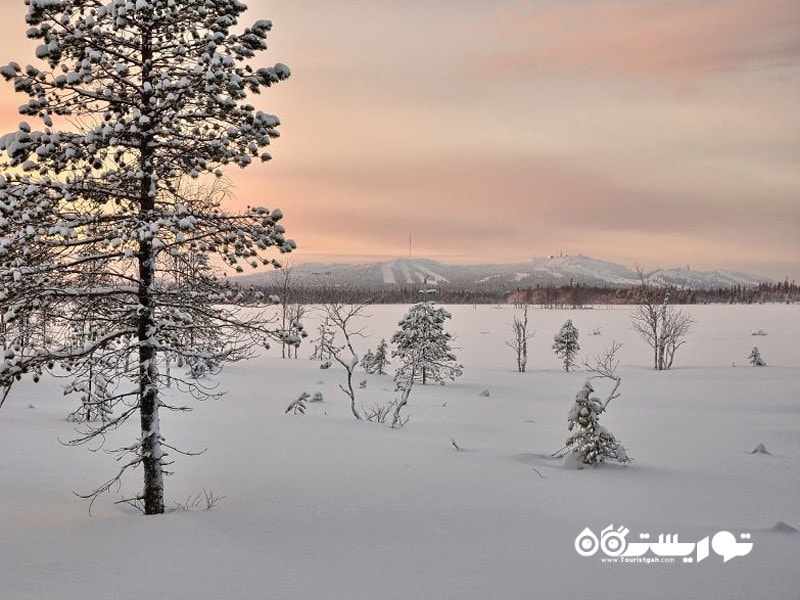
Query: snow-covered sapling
[[423, 346], [660, 324], [589, 442], [343, 320], [321, 345], [755, 358], [519, 341], [377, 361], [565, 345], [380, 360]]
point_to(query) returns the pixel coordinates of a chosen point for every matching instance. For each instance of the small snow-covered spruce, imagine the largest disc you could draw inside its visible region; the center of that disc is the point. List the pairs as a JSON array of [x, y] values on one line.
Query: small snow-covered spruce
[[565, 345], [589, 442], [755, 358], [344, 322], [367, 362], [519, 341], [380, 359], [377, 361], [130, 101], [423, 346]]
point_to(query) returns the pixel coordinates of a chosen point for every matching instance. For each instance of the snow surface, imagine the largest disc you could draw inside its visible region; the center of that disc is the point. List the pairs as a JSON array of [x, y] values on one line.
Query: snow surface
[[322, 506]]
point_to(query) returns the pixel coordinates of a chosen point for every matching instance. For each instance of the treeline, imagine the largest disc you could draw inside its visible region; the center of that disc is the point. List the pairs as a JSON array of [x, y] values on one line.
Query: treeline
[[548, 296], [577, 295]]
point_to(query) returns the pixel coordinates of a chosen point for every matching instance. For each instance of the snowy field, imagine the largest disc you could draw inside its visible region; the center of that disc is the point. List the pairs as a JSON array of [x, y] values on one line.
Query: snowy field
[[322, 506]]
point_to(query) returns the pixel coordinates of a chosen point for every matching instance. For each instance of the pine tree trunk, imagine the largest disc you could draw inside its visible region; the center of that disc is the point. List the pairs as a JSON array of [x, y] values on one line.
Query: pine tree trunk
[[148, 404], [151, 450]]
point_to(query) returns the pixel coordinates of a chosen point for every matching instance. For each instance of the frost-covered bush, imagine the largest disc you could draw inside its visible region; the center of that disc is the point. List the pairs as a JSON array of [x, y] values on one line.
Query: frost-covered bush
[[755, 358]]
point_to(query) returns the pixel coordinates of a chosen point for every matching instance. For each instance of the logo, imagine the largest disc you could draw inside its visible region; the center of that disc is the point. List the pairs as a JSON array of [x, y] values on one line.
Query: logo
[[667, 549]]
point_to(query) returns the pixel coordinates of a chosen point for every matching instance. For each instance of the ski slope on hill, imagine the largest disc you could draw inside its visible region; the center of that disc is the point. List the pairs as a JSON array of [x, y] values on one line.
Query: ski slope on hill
[[553, 270]]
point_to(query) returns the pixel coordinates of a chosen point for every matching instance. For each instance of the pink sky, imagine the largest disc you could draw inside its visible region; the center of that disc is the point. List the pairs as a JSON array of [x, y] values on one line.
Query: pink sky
[[652, 133]]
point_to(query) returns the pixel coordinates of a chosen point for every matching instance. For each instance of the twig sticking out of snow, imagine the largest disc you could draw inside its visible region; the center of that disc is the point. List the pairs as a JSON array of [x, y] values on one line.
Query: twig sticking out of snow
[[298, 406]]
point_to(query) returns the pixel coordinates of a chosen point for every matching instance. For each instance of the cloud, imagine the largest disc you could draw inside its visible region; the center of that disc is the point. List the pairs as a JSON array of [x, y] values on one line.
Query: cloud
[[511, 208], [683, 39]]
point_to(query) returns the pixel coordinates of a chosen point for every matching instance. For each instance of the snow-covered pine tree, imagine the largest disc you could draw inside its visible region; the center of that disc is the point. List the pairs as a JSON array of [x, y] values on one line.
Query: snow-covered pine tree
[[590, 442], [755, 358], [565, 344], [134, 99], [423, 346]]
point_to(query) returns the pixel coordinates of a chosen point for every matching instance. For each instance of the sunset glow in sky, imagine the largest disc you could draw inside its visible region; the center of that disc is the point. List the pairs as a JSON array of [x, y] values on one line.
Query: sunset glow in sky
[[642, 132]]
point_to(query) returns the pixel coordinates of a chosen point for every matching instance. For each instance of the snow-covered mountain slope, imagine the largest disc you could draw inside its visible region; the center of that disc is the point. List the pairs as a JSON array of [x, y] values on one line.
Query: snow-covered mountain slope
[[689, 278], [552, 270]]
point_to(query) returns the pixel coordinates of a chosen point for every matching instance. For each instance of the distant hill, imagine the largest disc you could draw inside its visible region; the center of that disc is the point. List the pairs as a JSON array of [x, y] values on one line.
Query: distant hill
[[554, 270]]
